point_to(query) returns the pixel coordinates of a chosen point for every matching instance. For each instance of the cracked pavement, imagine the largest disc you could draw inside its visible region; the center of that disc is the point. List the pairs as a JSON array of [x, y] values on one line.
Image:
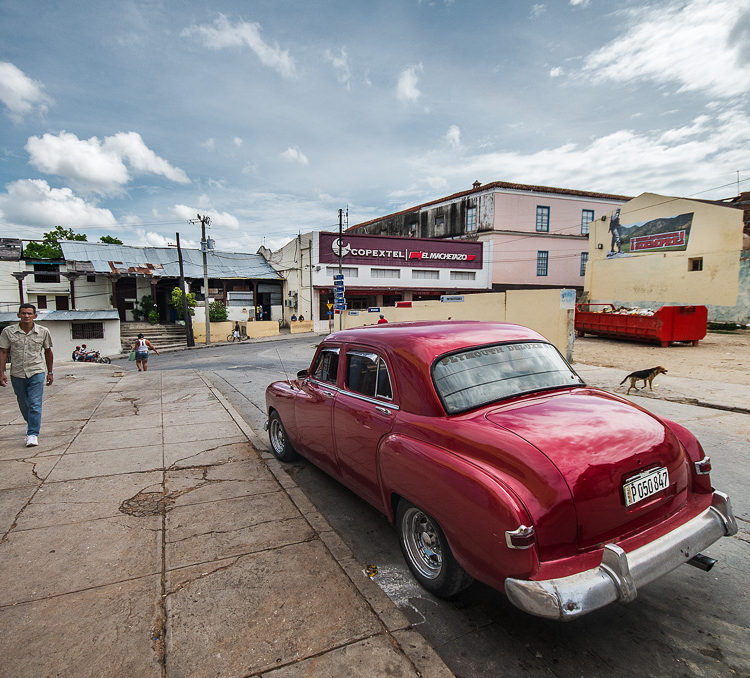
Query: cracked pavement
[[147, 536]]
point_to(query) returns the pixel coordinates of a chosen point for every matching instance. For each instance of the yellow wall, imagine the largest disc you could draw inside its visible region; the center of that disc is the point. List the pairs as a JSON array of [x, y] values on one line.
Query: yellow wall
[[541, 310], [715, 235], [220, 331], [299, 326]]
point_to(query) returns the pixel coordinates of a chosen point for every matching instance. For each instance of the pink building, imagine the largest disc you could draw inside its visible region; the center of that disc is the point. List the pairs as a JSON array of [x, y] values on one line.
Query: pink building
[[538, 235]]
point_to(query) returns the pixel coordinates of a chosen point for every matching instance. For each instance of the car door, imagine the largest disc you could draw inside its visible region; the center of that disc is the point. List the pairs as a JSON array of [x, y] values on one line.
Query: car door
[[364, 414], [314, 411]]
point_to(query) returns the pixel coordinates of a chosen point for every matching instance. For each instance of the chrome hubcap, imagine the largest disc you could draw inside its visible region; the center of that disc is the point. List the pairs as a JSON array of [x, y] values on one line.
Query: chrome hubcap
[[422, 543], [278, 439]]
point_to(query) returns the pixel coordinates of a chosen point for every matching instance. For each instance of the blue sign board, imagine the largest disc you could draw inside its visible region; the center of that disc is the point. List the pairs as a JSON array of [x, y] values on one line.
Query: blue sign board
[[373, 309], [338, 276]]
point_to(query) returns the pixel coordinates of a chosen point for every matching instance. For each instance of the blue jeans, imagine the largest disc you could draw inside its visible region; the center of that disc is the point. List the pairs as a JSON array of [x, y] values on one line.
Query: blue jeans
[[29, 395]]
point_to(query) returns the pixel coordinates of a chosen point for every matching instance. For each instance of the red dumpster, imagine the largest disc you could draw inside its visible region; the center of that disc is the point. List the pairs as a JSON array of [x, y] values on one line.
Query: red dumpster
[[667, 325]]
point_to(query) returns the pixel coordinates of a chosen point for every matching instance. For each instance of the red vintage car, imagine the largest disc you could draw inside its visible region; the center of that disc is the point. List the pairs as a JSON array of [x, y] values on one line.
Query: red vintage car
[[496, 462]]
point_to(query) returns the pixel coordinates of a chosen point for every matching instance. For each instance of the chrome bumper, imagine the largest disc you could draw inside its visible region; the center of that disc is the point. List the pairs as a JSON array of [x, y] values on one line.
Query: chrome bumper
[[621, 574]]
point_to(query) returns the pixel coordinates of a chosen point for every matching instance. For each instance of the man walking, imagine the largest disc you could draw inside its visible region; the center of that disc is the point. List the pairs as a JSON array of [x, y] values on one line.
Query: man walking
[[30, 347]]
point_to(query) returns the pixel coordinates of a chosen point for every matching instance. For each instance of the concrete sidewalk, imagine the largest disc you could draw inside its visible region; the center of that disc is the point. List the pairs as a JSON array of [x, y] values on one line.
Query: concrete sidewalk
[[146, 536]]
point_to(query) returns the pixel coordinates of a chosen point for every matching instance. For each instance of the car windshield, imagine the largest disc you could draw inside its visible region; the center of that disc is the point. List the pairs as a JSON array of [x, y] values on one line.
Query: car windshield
[[482, 375]]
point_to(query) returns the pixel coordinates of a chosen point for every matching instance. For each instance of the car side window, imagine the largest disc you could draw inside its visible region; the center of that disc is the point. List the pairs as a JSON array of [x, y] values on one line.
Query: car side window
[[327, 366], [367, 373]]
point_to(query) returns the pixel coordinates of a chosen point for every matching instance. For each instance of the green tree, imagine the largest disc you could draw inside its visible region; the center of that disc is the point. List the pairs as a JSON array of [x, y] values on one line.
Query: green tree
[[176, 303], [217, 312], [110, 240], [50, 248]]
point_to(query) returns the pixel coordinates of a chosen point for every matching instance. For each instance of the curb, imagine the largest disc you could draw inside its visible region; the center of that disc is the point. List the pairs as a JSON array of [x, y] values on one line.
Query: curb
[[424, 658]]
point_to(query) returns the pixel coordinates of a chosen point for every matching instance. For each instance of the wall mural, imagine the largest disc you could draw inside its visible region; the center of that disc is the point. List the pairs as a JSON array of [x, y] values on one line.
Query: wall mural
[[664, 234]]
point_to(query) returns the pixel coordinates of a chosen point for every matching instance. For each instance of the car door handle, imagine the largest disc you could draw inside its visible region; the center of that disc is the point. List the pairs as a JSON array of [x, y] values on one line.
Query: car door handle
[[329, 393], [384, 410]]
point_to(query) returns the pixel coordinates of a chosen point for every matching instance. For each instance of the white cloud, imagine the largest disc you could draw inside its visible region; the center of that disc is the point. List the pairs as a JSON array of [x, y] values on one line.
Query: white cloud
[[144, 238], [237, 141], [537, 10], [406, 89], [556, 72], [19, 93], [580, 3], [453, 136], [293, 154], [209, 144], [340, 64], [682, 161], [31, 202], [223, 34], [696, 45], [218, 219], [96, 166]]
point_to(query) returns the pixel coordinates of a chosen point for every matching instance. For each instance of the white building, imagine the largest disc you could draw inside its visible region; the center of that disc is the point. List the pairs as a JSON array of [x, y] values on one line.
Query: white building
[[378, 271]]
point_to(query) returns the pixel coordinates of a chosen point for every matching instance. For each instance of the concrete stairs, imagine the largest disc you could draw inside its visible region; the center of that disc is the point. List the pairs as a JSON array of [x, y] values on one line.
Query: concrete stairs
[[161, 336]]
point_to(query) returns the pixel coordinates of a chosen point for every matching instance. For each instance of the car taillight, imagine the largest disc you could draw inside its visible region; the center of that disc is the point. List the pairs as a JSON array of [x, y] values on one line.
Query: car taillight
[[521, 538], [703, 467]]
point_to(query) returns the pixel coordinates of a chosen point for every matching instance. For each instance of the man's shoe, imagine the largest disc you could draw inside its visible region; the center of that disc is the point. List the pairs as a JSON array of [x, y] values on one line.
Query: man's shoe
[[32, 441]]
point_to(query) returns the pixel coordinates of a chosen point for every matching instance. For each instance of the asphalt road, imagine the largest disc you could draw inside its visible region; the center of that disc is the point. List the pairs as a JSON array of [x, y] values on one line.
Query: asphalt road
[[689, 623]]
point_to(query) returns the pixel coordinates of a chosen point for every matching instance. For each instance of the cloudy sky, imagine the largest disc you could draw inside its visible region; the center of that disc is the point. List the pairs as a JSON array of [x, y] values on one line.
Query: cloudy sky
[[130, 117]]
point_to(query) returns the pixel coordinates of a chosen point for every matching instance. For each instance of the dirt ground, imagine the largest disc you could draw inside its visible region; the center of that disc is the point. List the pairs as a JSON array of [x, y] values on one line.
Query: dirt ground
[[718, 357]]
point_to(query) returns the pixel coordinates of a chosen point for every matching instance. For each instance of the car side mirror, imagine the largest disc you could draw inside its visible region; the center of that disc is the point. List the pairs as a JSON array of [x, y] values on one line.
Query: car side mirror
[[302, 374]]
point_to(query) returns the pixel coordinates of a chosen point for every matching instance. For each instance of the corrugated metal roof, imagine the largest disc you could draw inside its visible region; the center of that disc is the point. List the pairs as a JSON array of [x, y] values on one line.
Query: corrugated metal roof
[[162, 261], [110, 314], [65, 315]]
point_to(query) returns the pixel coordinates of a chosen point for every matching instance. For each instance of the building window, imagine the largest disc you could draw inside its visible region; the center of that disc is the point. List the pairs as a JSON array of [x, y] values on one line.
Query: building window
[[385, 272], [88, 330], [90, 278], [41, 301], [587, 216], [463, 275], [695, 264], [471, 219], [61, 303], [346, 271], [584, 261], [542, 259], [413, 229], [422, 274], [47, 273], [542, 218]]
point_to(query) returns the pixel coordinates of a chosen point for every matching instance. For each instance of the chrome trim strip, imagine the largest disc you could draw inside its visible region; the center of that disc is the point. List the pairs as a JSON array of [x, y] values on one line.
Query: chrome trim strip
[[367, 399], [621, 574]]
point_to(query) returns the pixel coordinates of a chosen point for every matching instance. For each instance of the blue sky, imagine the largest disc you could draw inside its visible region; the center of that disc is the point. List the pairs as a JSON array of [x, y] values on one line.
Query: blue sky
[[128, 118]]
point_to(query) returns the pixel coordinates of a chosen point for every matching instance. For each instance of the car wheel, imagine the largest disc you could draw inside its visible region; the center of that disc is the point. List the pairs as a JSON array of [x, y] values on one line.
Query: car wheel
[[427, 553], [280, 446]]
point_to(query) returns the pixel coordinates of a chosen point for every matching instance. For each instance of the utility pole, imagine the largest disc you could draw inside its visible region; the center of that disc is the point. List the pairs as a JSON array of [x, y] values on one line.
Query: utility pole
[[341, 247], [204, 221], [185, 307]]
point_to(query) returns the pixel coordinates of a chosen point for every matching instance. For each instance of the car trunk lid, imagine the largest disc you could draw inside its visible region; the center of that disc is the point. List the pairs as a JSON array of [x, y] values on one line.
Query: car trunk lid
[[600, 442]]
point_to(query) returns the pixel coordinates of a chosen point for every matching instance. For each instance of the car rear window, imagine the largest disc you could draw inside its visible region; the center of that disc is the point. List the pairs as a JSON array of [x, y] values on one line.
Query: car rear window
[[482, 375]]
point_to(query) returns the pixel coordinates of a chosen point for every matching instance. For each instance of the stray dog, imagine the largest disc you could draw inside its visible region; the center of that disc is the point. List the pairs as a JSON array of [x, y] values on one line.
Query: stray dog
[[646, 376]]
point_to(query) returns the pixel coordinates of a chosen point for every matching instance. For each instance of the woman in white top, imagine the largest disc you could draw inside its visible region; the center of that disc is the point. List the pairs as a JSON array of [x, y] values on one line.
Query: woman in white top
[[141, 347]]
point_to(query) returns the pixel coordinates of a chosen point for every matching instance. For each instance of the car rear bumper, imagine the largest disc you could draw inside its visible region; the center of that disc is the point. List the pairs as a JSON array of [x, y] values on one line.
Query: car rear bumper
[[621, 574]]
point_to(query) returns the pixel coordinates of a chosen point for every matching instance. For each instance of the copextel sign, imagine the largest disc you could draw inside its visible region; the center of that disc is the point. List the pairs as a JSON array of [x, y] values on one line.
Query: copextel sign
[[393, 251]]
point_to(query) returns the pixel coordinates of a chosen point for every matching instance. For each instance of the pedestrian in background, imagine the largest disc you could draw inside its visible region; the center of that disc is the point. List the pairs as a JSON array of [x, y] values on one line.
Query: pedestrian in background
[[382, 320], [30, 347], [142, 346]]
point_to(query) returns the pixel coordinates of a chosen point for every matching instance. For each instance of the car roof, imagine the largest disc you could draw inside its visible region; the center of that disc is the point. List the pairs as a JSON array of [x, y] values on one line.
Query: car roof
[[413, 346]]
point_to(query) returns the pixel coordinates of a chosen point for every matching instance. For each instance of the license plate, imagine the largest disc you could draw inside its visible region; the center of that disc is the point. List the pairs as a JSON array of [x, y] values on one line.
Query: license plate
[[645, 484]]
